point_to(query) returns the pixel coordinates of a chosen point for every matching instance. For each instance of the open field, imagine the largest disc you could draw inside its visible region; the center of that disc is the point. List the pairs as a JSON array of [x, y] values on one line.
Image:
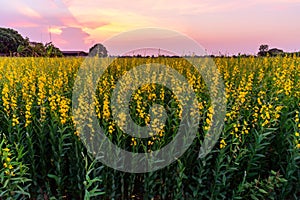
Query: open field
[[256, 157]]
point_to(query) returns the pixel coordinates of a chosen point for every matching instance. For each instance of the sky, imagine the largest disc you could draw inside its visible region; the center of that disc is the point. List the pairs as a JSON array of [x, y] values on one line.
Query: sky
[[219, 26]]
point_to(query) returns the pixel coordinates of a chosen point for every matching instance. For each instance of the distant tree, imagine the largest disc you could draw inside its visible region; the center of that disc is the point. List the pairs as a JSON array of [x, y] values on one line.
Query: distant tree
[[24, 49], [32, 49], [263, 50], [264, 47], [37, 49], [10, 41], [98, 50], [52, 51]]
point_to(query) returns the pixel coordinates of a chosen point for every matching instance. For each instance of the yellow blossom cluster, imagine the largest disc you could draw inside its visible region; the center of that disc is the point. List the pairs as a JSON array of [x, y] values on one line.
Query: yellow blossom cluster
[[297, 127], [257, 91], [6, 161], [34, 87]]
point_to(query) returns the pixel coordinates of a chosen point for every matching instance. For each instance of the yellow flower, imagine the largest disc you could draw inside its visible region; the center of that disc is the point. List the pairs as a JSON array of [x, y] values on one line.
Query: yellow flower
[[133, 142], [259, 101], [6, 149], [297, 134], [4, 165], [222, 144], [76, 133]]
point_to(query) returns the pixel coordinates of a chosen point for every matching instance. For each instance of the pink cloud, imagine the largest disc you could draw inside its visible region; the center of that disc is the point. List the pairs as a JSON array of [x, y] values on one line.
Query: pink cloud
[[71, 38], [22, 23], [94, 24]]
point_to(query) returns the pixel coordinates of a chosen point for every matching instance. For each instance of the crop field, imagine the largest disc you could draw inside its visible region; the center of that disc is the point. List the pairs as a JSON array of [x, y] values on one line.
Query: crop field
[[43, 155]]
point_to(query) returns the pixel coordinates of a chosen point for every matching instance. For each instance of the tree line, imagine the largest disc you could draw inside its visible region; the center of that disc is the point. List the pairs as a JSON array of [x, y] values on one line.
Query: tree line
[[13, 44]]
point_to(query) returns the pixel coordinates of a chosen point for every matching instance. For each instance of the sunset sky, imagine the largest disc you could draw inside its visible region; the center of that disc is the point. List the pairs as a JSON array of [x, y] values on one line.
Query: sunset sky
[[226, 26]]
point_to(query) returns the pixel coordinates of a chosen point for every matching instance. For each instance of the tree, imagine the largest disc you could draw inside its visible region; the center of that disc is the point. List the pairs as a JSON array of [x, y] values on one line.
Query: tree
[[52, 51], [33, 49], [37, 49], [98, 50], [10, 40], [263, 50]]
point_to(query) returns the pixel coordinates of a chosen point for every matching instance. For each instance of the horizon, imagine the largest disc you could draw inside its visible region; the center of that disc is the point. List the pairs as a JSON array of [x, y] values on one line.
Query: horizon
[[226, 28]]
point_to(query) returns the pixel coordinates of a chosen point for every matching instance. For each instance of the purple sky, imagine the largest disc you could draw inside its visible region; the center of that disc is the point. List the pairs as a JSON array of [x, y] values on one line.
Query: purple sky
[[226, 26]]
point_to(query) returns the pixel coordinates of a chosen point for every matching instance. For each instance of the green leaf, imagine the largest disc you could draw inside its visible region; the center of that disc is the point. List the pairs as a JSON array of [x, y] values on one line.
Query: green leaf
[[262, 191]]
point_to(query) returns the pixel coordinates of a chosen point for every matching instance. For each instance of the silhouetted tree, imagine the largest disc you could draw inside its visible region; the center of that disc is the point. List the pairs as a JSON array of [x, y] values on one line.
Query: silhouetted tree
[[263, 50], [98, 50], [10, 40]]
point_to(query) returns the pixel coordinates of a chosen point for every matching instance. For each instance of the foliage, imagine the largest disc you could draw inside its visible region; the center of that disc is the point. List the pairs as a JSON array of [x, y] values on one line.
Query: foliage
[[52, 51], [12, 43], [10, 40], [13, 181], [28, 49], [263, 50], [36, 49], [92, 182], [98, 50]]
